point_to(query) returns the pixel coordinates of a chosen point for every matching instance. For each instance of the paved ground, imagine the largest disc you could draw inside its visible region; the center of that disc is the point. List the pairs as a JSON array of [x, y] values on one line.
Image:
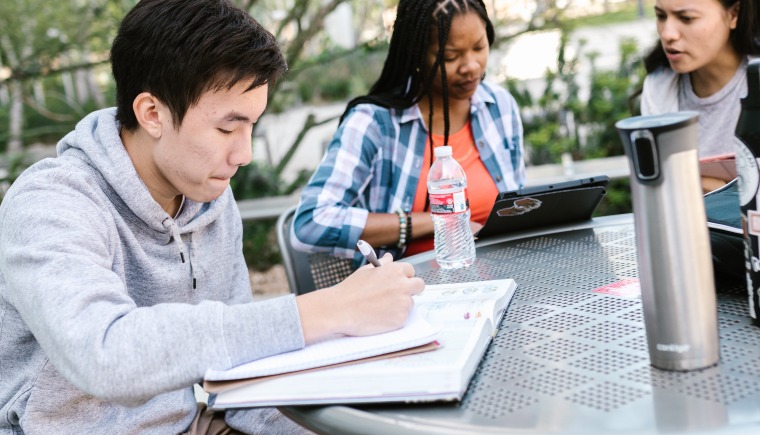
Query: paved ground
[[270, 283]]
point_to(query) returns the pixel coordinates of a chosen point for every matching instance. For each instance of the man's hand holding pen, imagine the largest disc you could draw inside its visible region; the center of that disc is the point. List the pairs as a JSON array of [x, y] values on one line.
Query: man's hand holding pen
[[368, 252], [370, 301]]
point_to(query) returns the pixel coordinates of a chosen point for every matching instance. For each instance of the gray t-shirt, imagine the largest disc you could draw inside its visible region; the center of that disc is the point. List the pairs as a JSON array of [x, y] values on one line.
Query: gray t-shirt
[[718, 113]]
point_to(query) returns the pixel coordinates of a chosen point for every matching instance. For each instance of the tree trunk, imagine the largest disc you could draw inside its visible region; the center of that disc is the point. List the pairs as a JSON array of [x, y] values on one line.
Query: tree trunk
[[39, 92], [16, 113], [82, 88], [93, 89], [68, 88], [16, 118], [7, 49], [4, 96]]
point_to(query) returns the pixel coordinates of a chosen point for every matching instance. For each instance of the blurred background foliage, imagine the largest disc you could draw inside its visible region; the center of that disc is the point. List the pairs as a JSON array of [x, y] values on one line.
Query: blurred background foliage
[[54, 70], [559, 122]]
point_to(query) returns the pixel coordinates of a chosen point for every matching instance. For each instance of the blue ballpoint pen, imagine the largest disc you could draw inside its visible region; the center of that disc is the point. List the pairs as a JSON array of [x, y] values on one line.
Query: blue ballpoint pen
[[368, 252]]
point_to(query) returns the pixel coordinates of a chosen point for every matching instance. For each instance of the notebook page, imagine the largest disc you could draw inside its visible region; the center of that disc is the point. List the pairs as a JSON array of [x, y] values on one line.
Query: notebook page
[[464, 301], [417, 331]]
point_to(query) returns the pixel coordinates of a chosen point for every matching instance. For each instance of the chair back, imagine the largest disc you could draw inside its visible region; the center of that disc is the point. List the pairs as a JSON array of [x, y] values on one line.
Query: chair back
[[308, 271]]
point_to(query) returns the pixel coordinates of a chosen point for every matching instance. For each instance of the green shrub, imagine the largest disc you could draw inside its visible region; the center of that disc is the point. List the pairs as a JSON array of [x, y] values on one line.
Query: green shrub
[[617, 200], [260, 247], [549, 133]]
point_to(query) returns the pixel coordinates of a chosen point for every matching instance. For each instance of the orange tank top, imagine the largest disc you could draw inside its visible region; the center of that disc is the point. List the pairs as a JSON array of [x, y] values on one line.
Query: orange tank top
[[481, 188]]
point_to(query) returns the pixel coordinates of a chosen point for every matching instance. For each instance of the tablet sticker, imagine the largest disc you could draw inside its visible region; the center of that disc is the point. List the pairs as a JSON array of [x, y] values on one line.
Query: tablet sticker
[[520, 206]]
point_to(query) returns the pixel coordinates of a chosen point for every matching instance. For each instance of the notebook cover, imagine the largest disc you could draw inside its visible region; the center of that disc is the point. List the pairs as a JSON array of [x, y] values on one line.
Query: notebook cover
[[723, 210], [213, 387]]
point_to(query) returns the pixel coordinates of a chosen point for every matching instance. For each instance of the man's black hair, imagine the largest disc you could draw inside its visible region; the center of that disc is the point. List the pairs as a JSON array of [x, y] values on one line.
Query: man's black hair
[[405, 79], [179, 49]]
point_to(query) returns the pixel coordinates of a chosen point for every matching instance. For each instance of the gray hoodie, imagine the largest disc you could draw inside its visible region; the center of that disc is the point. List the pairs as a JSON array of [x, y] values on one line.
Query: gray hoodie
[[110, 309]]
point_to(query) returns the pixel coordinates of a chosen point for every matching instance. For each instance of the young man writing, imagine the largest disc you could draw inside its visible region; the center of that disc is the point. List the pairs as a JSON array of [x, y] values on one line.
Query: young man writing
[[121, 273]]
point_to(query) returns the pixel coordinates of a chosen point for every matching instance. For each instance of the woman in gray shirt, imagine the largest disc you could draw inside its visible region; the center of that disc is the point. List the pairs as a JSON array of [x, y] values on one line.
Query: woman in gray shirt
[[699, 64]]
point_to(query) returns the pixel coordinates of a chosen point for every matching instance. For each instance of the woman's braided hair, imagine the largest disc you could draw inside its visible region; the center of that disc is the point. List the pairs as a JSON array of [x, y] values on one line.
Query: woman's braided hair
[[405, 79]]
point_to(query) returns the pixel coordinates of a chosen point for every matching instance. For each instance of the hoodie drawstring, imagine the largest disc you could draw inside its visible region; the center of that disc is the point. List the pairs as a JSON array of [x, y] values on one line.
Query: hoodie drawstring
[[192, 258], [172, 226]]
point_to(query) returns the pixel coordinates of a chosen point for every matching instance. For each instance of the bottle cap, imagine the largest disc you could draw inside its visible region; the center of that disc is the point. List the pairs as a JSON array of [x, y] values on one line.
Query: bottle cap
[[753, 85], [443, 151]]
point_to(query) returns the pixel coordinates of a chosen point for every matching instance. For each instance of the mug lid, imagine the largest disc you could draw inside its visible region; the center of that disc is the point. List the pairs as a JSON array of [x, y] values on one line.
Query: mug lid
[[666, 120]]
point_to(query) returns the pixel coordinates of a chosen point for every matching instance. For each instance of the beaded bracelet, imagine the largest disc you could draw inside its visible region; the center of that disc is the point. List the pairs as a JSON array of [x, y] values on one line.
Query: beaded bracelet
[[409, 227], [403, 218]]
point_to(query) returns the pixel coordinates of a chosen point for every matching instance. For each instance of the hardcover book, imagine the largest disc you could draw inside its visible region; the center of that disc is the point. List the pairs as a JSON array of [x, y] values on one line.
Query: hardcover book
[[464, 317]]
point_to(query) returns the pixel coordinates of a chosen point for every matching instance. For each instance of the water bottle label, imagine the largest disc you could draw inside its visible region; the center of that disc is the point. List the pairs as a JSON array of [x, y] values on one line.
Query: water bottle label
[[448, 203]]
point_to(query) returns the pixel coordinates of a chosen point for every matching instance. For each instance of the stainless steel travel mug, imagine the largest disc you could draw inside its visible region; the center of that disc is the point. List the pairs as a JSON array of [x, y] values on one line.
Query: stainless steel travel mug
[[675, 261]]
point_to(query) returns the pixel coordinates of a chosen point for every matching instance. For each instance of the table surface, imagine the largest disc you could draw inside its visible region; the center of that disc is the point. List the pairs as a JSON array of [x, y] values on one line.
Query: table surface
[[571, 355]]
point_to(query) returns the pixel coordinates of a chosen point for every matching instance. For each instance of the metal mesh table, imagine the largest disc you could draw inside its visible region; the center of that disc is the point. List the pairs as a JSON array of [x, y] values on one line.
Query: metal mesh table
[[571, 353]]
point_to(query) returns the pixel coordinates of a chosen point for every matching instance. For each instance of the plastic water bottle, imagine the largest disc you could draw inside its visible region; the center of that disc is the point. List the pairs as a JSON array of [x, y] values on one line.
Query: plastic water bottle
[[450, 209]]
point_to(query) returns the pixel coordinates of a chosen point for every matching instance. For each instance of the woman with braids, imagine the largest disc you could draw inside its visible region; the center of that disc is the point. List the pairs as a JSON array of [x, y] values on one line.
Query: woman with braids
[[700, 64], [371, 183]]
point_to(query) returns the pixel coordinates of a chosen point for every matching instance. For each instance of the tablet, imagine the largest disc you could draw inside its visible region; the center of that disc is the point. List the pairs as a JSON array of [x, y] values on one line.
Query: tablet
[[540, 206]]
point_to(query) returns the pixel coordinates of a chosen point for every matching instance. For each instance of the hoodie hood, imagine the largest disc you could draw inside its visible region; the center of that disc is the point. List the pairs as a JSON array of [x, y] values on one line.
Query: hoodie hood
[[96, 142], [97, 307]]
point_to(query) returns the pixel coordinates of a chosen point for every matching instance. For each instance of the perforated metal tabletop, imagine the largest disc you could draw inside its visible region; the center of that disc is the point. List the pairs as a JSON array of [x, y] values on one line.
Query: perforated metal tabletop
[[571, 354]]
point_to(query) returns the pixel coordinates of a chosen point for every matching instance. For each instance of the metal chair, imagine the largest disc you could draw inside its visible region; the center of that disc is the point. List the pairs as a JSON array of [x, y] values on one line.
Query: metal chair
[[308, 271]]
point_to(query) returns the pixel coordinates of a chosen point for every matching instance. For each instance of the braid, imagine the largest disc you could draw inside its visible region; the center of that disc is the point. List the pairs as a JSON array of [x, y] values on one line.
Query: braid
[[429, 81], [444, 25], [430, 128]]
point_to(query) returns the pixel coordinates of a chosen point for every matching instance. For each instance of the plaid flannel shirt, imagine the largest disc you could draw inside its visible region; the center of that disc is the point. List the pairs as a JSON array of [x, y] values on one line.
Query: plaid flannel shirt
[[373, 164]]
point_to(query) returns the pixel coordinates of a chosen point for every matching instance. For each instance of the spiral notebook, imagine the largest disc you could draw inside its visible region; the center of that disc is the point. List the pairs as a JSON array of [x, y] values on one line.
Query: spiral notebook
[[546, 205]]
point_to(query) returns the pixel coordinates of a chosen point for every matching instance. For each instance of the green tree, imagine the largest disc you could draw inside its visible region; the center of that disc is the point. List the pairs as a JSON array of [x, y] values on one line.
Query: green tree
[[559, 121], [52, 53], [40, 39], [608, 101]]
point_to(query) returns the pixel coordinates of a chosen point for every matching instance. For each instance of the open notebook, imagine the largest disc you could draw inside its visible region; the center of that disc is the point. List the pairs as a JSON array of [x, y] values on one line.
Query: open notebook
[[545, 205], [416, 332], [467, 316]]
